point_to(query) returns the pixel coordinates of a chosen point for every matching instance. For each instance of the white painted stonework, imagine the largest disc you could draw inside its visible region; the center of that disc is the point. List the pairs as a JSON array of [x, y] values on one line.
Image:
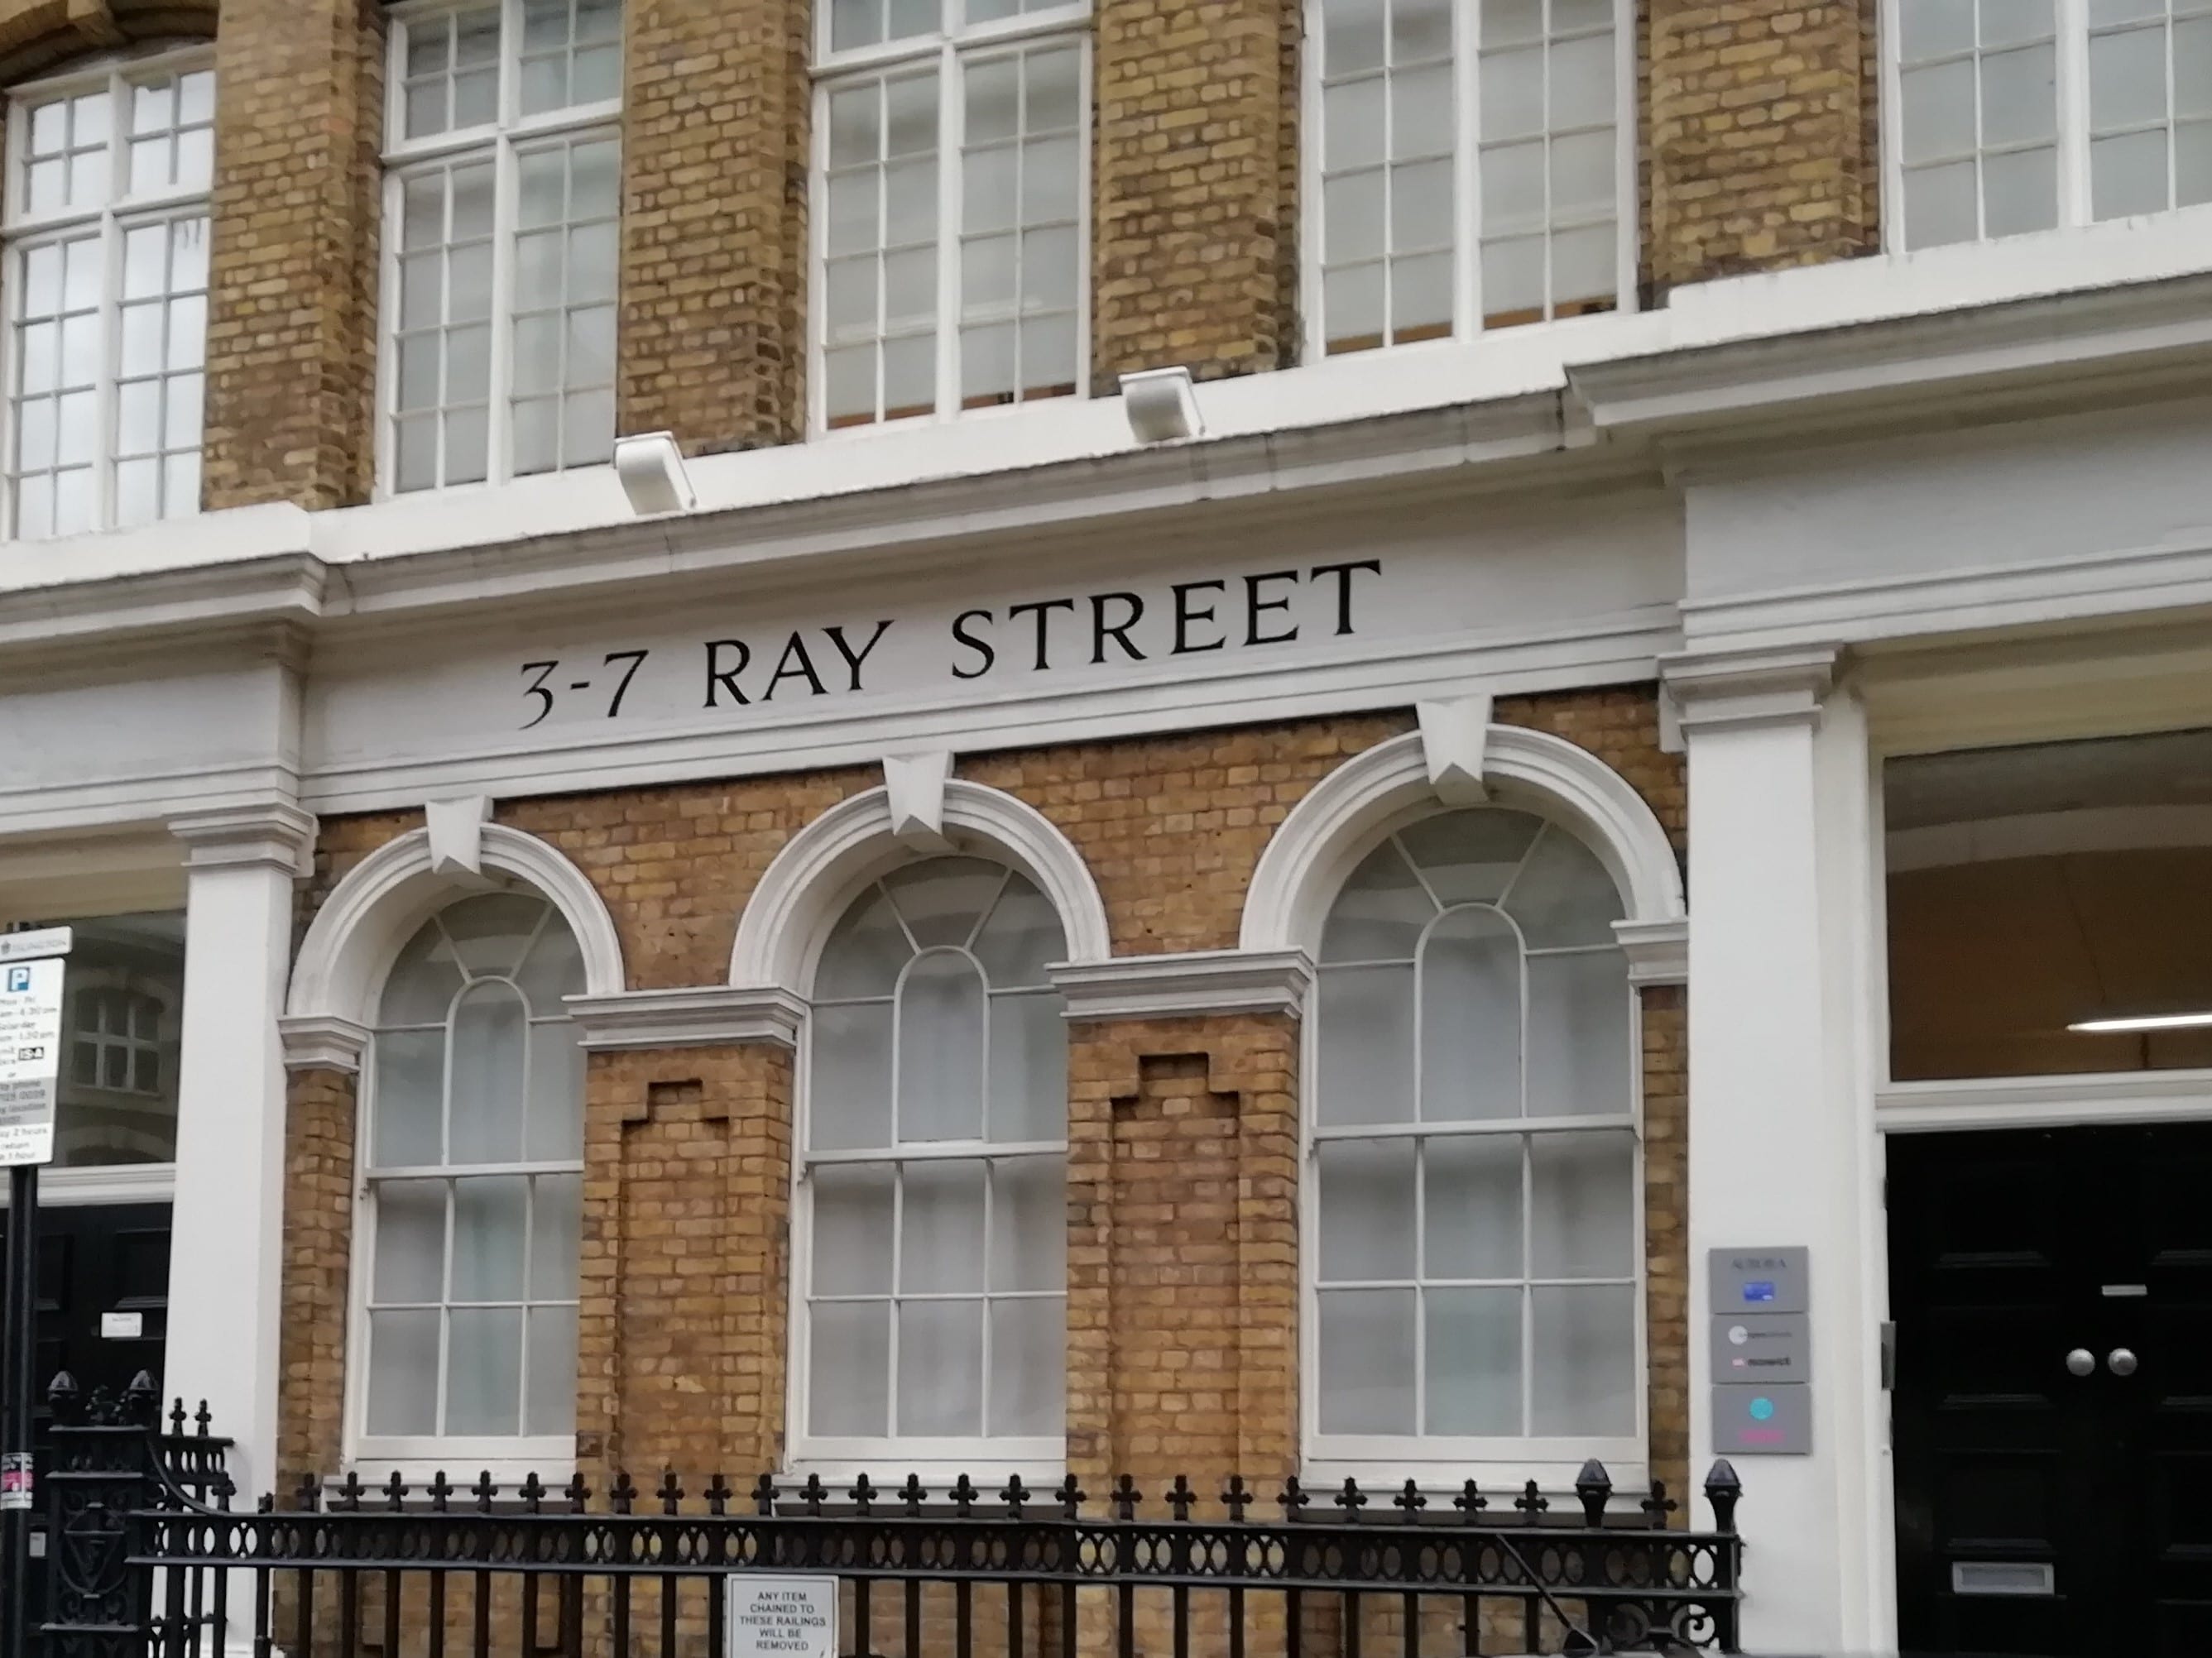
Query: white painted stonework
[[1911, 501]]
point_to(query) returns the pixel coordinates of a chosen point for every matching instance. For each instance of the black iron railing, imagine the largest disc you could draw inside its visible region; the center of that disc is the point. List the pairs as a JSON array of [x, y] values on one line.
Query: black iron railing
[[361, 1571]]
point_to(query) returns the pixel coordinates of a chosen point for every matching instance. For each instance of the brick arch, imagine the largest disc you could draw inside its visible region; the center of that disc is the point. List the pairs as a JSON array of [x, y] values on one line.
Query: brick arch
[[37, 35]]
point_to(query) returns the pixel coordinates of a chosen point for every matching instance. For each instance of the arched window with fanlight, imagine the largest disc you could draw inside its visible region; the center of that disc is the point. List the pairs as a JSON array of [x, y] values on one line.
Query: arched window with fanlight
[[472, 1165], [934, 1172], [1474, 1245]]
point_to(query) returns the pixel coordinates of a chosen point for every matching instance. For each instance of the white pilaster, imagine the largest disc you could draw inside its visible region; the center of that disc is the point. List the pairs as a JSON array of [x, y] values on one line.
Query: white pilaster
[[1783, 1149], [226, 1254]]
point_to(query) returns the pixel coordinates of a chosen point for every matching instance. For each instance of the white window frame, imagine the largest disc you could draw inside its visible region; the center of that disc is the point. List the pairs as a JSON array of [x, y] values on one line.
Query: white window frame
[[2071, 20], [1041, 1460], [100, 1041], [508, 1458], [950, 49], [116, 73], [502, 139], [1436, 1461], [1466, 195]]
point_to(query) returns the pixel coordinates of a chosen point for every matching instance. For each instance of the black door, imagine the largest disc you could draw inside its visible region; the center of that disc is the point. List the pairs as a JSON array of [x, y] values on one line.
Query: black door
[[2052, 1293], [103, 1310]]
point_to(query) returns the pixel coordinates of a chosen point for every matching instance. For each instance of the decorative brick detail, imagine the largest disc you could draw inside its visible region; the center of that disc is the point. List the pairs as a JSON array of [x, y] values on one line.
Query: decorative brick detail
[[319, 1169], [291, 341], [1195, 170], [681, 1325], [1764, 146], [713, 267]]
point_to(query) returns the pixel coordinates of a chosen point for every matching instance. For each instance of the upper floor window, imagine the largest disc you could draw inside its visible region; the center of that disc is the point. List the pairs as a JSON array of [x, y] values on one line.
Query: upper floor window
[[106, 285], [1475, 1240], [472, 1169], [503, 197], [2018, 115], [933, 1177], [1475, 166], [950, 224], [115, 1041]]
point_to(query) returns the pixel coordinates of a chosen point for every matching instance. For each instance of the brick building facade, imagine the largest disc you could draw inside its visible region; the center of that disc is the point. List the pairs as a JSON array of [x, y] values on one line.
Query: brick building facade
[[980, 736]]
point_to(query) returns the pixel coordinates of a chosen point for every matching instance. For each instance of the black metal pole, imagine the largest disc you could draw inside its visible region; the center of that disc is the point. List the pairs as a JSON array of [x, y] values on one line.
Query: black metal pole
[[20, 1355]]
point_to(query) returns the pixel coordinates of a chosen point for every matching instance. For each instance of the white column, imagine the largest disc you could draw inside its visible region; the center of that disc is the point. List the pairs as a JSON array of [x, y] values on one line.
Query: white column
[[226, 1253], [1783, 1150]]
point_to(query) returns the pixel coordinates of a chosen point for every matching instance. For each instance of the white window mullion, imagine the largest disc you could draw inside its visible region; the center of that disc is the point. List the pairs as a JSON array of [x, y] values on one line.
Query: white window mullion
[[106, 430], [499, 448], [2071, 19], [951, 166]]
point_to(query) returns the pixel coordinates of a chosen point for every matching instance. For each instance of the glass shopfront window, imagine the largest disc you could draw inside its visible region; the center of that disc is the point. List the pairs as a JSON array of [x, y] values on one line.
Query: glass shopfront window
[[123, 1003]]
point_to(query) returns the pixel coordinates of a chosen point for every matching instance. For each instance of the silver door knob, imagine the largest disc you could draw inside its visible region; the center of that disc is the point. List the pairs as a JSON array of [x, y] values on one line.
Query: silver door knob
[[2122, 1362], [2081, 1362]]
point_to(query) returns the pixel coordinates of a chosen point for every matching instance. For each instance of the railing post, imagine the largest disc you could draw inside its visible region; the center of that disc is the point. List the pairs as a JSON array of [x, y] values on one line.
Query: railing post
[[1723, 1489], [99, 1604]]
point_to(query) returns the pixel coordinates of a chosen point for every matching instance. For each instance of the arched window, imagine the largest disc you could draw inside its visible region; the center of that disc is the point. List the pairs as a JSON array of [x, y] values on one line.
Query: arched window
[[1475, 1240], [934, 1171], [472, 1161], [1475, 160], [106, 285]]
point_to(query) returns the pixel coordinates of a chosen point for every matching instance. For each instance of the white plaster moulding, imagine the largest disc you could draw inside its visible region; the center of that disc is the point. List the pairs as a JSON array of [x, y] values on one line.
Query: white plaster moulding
[[273, 833], [2045, 1102], [1658, 952], [1342, 817], [375, 908], [807, 885], [321, 1041], [698, 1016], [1609, 652], [1742, 690], [1193, 983]]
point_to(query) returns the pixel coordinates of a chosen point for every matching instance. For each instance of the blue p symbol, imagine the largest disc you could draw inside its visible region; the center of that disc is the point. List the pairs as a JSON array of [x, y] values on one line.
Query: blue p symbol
[[19, 978]]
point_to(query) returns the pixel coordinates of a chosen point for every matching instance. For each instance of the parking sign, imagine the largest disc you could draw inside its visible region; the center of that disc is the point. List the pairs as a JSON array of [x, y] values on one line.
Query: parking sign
[[30, 1058]]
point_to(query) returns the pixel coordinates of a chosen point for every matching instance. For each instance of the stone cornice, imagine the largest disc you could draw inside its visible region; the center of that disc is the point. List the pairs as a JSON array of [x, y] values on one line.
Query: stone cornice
[[1193, 983], [321, 1041], [1736, 690], [1658, 952], [701, 1016], [272, 833]]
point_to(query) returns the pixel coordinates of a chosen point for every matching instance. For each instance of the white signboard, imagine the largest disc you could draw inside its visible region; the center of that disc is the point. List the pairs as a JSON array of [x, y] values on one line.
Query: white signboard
[[30, 1058], [780, 1617], [23, 946]]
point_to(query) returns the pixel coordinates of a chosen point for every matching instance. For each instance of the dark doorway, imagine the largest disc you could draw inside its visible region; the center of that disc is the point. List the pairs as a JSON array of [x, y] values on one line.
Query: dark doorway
[[2052, 1293], [103, 1312]]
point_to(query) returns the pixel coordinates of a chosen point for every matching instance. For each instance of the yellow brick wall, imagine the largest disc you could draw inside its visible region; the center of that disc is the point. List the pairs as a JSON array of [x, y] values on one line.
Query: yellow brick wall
[[1183, 1163]]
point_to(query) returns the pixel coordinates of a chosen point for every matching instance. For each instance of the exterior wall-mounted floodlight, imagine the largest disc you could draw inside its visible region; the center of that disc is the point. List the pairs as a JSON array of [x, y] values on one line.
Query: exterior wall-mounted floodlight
[[1161, 405], [650, 468]]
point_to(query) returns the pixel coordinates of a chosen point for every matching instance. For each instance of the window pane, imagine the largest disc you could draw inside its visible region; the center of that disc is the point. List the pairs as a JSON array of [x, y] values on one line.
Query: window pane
[[1563, 894], [1368, 1210], [1029, 1223], [490, 934], [488, 1075], [1940, 206], [940, 1049], [408, 1109], [1583, 1222], [1471, 1207], [2020, 191], [551, 1408], [1379, 913], [1471, 1366], [2127, 78], [1351, 36], [1578, 1034], [553, 969], [1368, 1361], [864, 951], [489, 1218], [940, 1367], [848, 1369], [849, 1081], [556, 1220], [423, 981], [943, 900], [941, 1227], [1364, 1025], [1469, 857], [2020, 98], [410, 1242], [854, 1207], [1470, 1019], [554, 1129], [402, 1373], [1583, 1360], [1021, 938], [483, 1375], [1028, 1067], [1028, 1367], [2127, 175]]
